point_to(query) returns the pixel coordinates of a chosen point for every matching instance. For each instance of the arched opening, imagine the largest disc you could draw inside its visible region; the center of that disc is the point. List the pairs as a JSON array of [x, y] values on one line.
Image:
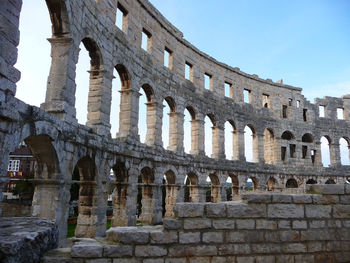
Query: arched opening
[[250, 144], [325, 151], [145, 200], [271, 184], [119, 195], [344, 145], [291, 183], [330, 181], [191, 193], [169, 129], [213, 189], [84, 174], [209, 124], [232, 187], [147, 112], [230, 140], [169, 193], [189, 129], [120, 97], [269, 147], [251, 184], [35, 76], [288, 148], [311, 181], [307, 137]]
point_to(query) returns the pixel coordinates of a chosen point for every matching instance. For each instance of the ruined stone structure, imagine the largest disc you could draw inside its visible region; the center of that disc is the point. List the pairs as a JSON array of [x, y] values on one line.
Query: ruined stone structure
[[267, 228], [286, 127]]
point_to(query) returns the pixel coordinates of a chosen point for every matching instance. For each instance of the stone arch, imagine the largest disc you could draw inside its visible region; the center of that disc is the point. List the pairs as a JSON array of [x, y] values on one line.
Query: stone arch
[[169, 193], [308, 138], [311, 181], [190, 128], [269, 146], [145, 197], [287, 135], [291, 183], [59, 16], [233, 190], [271, 184], [326, 150], [124, 76], [288, 146], [120, 194], [191, 190], [231, 145], [169, 129], [213, 189], [251, 150], [86, 223], [330, 181], [344, 147]]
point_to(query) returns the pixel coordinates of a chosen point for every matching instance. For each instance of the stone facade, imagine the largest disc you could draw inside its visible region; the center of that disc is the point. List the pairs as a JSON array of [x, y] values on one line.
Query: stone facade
[[263, 228], [283, 122]]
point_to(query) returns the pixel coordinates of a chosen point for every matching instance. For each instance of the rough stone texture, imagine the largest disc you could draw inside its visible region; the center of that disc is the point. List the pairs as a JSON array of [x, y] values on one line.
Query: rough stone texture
[[25, 239]]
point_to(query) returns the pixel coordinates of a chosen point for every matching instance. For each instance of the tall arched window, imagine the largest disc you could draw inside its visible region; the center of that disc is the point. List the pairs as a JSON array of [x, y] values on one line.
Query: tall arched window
[[325, 151], [229, 139], [209, 123], [250, 147], [146, 112], [344, 145], [269, 147], [169, 122], [189, 117]]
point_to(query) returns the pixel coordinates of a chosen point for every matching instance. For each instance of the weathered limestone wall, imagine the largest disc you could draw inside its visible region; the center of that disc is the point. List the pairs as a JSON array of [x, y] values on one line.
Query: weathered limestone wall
[[264, 228]]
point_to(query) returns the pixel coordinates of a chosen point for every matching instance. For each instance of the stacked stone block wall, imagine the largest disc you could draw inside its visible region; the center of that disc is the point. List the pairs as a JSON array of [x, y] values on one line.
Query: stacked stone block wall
[[284, 228]]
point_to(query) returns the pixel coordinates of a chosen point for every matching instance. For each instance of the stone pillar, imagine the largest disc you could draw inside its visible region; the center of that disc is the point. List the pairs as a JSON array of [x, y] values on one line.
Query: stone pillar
[[259, 138], [197, 137], [99, 102], [215, 193], [119, 196], [147, 204], [235, 145], [318, 157], [131, 201], [154, 123], [128, 115], [170, 199], [241, 146], [194, 193], [335, 153], [218, 143], [60, 91], [176, 132], [201, 194], [157, 213]]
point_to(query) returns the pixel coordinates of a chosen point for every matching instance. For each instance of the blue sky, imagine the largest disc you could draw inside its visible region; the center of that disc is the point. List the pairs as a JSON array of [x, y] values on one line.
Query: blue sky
[[307, 43]]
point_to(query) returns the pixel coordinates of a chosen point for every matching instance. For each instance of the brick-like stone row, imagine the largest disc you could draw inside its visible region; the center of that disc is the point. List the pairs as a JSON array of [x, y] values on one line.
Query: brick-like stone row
[[261, 228]]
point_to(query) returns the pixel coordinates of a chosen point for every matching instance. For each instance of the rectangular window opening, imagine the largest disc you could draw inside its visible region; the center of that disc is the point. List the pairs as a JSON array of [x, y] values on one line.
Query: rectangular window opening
[[284, 111], [298, 103], [246, 95], [120, 20], [321, 110], [13, 166], [313, 154], [207, 81], [305, 114], [146, 40], [266, 101], [228, 92], [304, 151], [168, 54], [283, 153], [292, 151], [290, 102], [188, 71], [340, 113]]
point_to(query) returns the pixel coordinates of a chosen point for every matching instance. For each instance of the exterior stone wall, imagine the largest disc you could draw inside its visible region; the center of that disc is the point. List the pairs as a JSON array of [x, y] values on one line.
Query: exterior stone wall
[[15, 210], [60, 144], [264, 228]]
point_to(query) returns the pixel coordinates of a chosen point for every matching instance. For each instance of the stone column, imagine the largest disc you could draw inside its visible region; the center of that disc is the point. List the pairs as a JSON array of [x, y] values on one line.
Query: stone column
[[120, 195], [235, 145], [218, 143], [99, 101], [170, 199], [335, 153], [241, 146], [318, 157], [154, 123], [197, 137], [131, 201], [176, 132], [216, 193], [201, 194], [128, 115], [259, 153], [60, 91]]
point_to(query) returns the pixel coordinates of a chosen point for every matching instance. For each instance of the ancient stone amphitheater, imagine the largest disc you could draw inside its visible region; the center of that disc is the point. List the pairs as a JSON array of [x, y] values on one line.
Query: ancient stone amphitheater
[[287, 130]]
